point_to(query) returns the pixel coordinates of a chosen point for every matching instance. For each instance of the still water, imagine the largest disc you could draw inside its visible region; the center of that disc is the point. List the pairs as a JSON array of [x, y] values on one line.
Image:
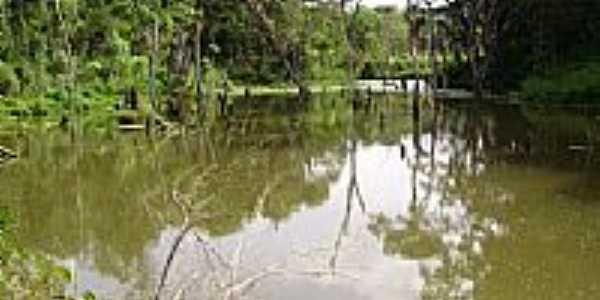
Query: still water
[[315, 201]]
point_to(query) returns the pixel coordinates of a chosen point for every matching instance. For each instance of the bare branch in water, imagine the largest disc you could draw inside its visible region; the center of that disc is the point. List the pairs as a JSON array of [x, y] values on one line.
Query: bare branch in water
[[186, 208], [209, 249], [165, 273]]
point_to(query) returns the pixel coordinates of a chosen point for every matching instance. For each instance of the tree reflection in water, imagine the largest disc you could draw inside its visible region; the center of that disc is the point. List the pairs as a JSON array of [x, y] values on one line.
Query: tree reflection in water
[[469, 210], [490, 193]]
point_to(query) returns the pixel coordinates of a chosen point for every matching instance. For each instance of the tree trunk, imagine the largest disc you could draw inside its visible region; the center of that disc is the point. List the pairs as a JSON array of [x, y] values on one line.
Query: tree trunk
[[198, 67], [152, 74]]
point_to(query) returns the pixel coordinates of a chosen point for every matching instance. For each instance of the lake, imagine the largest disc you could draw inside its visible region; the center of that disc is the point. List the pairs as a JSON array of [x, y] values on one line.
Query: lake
[[317, 200]]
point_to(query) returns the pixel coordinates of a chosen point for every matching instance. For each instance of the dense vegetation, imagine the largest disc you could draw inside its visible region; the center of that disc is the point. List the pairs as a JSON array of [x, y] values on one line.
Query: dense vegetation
[[551, 45], [92, 61], [58, 56], [25, 274]]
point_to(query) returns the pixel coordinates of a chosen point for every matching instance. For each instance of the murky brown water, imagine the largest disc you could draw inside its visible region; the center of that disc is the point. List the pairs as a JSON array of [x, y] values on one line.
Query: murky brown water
[[312, 201]]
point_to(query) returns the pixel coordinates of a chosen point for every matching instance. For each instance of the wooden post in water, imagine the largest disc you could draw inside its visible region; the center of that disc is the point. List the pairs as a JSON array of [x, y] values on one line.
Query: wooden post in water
[[416, 108], [223, 99], [355, 99], [416, 97], [369, 98]]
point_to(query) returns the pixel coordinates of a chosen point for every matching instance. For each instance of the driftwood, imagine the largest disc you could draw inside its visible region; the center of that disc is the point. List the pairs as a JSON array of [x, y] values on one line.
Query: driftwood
[[6, 154], [157, 119]]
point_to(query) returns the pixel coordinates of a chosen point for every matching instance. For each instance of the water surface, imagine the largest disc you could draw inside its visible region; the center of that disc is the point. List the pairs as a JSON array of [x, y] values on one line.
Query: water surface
[[317, 201]]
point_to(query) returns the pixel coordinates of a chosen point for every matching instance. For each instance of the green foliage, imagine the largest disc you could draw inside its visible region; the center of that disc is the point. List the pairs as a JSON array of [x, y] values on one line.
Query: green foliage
[[81, 58], [24, 274], [566, 83], [513, 40], [9, 83]]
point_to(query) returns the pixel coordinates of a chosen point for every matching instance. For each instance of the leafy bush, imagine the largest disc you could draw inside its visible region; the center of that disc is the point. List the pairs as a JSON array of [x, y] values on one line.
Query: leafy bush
[[24, 274], [566, 83], [8, 79]]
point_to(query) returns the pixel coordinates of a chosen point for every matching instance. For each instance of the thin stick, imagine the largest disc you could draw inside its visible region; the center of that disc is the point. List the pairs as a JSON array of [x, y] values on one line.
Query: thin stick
[[212, 250], [165, 272]]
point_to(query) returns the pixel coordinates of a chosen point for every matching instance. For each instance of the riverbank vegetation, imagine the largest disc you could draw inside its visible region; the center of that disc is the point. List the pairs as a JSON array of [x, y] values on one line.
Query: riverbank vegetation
[[95, 65], [25, 274], [60, 59], [568, 83], [542, 48], [65, 60]]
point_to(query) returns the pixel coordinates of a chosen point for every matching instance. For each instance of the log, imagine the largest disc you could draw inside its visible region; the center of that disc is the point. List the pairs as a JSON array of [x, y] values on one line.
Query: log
[[132, 127], [6, 153]]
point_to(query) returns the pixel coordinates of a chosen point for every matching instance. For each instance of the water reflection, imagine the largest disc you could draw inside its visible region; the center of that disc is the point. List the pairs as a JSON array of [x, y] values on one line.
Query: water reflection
[[290, 201]]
